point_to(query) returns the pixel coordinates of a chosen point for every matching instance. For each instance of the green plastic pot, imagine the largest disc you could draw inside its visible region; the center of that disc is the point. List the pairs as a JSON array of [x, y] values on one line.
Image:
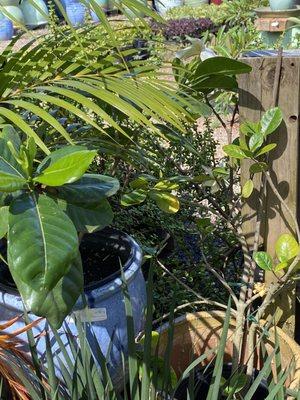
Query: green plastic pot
[[195, 3], [15, 14], [277, 5], [33, 17]]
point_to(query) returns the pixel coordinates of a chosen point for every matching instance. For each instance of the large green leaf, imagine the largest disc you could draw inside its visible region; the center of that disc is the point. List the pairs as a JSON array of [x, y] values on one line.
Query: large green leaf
[[166, 201], [57, 303], [88, 218], [90, 189], [263, 260], [11, 182], [221, 65], [42, 243], [65, 165], [8, 163], [271, 120], [286, 247]]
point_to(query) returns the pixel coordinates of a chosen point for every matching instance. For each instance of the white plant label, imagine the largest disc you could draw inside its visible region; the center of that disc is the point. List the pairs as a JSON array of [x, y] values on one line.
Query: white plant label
[[89, 315]]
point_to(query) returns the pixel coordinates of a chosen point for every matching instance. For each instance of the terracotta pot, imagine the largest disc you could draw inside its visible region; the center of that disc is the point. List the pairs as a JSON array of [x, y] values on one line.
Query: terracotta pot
[[195, 334], [216, 2]]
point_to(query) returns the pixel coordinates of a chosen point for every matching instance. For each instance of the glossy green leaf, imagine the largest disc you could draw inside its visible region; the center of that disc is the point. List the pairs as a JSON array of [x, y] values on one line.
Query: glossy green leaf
[[222, 66], [63, 166], [286, 247], [166, 185], [88, 218], [8, 163], [3, 221], [9, 134], [42, 244], [271, 120], [256, 140], [247, 189], [263, 260], [139, 183], [89, 190], [248, 128], [266, 149], [11, 183], [137, 196], [258, 167], [281, 266], [167, 202], [57, 303], [232, 150]]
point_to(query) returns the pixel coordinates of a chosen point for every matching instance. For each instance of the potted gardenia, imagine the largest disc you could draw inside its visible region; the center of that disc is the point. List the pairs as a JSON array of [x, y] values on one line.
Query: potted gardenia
[[59, 256]]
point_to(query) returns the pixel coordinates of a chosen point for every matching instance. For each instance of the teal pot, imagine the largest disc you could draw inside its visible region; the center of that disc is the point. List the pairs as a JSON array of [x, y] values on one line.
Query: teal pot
[[6, 29], [195, 3], [162, 6], [15, 14], [34, 16], [104, 4], [282, 4]]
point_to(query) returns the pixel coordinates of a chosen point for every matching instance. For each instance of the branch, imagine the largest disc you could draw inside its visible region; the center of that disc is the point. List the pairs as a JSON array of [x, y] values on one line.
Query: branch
[[220, 278], [209, 302]]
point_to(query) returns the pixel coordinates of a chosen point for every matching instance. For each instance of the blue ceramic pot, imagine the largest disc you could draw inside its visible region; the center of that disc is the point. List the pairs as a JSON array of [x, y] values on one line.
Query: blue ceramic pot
[[6, 29], [105, 302], [75, 12]]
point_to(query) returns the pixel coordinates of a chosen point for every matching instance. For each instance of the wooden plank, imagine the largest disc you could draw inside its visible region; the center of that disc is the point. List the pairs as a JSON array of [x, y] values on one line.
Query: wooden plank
[[257, 93]]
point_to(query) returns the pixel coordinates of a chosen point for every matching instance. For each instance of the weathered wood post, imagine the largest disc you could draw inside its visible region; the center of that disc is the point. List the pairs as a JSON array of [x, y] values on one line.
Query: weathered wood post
[[256, 96]]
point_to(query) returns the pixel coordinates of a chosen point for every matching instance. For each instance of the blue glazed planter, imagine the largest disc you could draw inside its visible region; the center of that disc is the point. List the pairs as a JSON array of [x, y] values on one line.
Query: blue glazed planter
[[75, 12], [105, 302], [6, 29]]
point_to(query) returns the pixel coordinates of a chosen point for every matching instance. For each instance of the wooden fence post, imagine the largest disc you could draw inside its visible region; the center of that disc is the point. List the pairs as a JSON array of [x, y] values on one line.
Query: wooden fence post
[[256, 96]]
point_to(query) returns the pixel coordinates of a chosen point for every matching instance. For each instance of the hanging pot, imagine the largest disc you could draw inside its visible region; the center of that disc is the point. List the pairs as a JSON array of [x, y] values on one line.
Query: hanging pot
[[101, 253], [76, 13], [162, 6], [101, 3], [33, 17], [6, 28], [277, 5]]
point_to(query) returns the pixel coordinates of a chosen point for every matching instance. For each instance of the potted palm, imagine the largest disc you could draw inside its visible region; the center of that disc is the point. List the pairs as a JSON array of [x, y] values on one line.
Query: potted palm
[[46, 210]]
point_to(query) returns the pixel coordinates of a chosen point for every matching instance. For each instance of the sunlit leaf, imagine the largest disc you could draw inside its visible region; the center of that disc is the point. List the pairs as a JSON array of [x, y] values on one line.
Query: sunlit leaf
[[263, 260], [286, 247]]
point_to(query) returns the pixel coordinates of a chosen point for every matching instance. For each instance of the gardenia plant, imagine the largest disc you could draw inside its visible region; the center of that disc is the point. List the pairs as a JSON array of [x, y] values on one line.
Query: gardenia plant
[[43, 207]]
